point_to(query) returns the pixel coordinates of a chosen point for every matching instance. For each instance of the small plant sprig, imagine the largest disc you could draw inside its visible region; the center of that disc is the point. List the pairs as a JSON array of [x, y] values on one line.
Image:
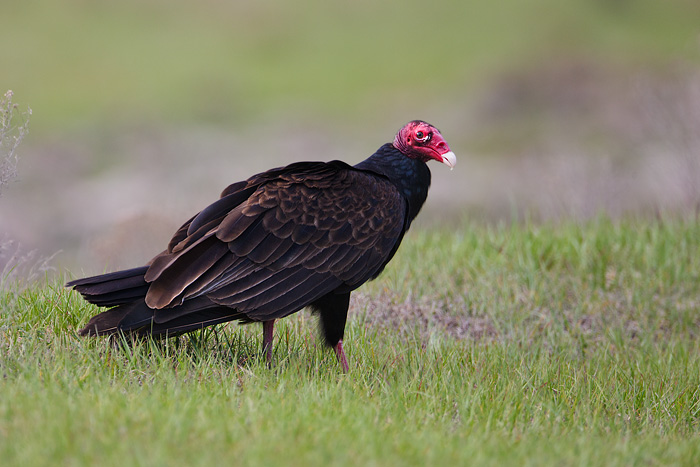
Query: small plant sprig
[[11, 135]]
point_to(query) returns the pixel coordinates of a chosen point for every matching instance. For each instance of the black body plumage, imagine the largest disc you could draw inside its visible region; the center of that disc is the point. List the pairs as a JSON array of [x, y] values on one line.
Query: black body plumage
[[307, 234]]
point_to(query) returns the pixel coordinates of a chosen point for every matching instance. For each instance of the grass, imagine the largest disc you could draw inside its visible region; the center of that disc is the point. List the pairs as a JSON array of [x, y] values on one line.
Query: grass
[[590, 357]]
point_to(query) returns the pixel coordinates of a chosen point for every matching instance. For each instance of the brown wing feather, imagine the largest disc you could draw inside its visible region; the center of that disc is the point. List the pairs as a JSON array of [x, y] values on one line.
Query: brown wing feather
[[281, 241]]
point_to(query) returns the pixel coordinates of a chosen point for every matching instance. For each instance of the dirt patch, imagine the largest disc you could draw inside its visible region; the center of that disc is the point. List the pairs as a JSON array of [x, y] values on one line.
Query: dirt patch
[[420, 317]]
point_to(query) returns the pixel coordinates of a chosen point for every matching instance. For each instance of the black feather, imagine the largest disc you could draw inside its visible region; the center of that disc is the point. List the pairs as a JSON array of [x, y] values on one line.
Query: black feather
[[113, 288]]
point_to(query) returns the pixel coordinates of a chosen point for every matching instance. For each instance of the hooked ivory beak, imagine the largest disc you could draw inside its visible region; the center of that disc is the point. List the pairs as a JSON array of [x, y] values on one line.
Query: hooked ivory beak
[[449, 159]]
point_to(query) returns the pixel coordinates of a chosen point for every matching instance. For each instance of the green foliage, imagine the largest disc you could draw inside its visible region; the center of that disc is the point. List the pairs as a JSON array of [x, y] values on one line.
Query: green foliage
[[593, 360], [634, 274]]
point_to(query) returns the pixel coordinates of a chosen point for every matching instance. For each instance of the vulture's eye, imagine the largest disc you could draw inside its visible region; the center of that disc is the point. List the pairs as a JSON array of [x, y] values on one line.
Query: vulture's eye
[[423, 137]]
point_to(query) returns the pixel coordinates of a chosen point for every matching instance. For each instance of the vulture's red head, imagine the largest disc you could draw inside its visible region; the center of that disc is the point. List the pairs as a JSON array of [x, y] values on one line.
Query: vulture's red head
[[421, 140]]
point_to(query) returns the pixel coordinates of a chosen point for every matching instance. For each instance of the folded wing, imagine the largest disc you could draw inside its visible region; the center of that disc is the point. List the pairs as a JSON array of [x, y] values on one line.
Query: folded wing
[[279, 241]]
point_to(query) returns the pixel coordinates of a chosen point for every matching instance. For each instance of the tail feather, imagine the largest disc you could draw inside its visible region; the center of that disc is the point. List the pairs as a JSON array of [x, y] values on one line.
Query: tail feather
[[138, 318], [120, 297], [109, 277], [125, 292], [115, 288], [125, 318]]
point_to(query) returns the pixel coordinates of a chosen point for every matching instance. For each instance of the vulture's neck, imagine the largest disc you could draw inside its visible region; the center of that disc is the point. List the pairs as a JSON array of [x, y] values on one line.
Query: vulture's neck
[[410, 176]]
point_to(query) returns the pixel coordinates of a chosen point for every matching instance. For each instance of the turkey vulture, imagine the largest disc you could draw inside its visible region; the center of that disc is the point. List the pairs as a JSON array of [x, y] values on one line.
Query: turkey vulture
[[304, 235]]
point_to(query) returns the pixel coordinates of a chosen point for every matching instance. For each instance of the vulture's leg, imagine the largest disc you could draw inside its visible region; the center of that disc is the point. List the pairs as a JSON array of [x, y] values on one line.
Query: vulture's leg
[[333, 311], [267, 339], [341, 356]]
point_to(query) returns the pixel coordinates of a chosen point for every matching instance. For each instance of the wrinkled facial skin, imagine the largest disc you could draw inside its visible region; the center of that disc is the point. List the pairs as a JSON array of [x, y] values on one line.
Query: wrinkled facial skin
[[422, 141]]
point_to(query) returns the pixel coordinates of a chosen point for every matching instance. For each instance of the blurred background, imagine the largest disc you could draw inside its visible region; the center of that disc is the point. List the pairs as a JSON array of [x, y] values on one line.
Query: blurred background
[[143, 111]]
